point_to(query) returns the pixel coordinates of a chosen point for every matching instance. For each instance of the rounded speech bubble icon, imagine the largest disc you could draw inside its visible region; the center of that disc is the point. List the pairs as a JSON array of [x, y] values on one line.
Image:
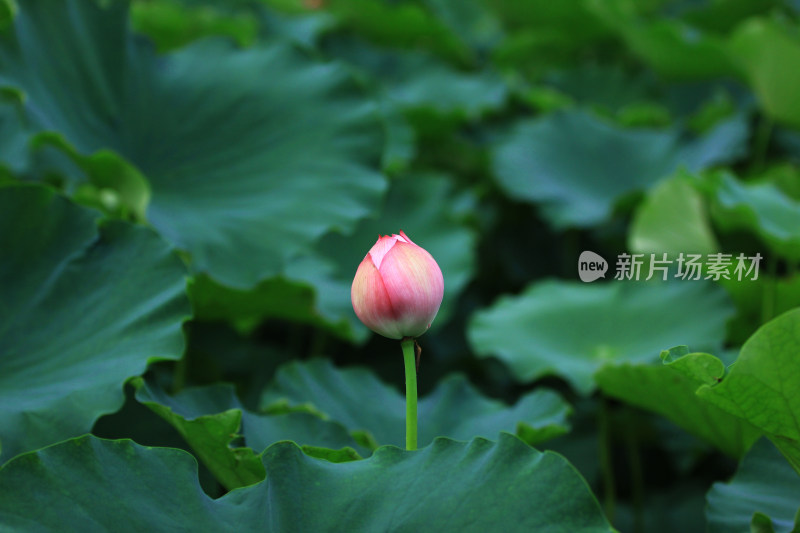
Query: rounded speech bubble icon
[[591, 266]]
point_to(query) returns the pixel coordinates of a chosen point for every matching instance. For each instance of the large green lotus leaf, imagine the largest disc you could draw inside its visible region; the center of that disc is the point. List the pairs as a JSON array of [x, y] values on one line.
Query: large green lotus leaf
[[207, 422], [361, 402], [576, 166], [765, 484], [400, 139], [19, 135], [669, 391], [571, 19], [318, 294], [605, 87], [455, 30], [82, 311], [785, 175], [427, 207], [761, 207], [671, 47], [704, 105], [471, 20], [399, 25], [172, 23], [546, 35], [763, 49], [672, 219], [304, 29], [244, 171], [175, 23], [763, 385], [13, 130], [722, 17], [210, 418], [679, 51], [416, 80], [272, 298], [8, 9], [477, 486], [116, 187], [534, 333], [519, 488]]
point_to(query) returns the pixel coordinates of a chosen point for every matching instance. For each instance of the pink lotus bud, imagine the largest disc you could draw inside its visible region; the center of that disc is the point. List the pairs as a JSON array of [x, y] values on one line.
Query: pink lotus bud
[[398, 288]]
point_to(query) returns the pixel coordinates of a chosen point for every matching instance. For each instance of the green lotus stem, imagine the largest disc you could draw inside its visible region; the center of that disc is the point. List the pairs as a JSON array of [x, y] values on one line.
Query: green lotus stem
[[637, 475], [606, 465], [761, 143], [411, 392], [770, 291], [179, 374]]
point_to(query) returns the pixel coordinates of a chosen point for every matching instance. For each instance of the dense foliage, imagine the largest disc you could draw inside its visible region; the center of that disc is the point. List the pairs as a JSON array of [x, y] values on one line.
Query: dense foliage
[[188, 186]]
